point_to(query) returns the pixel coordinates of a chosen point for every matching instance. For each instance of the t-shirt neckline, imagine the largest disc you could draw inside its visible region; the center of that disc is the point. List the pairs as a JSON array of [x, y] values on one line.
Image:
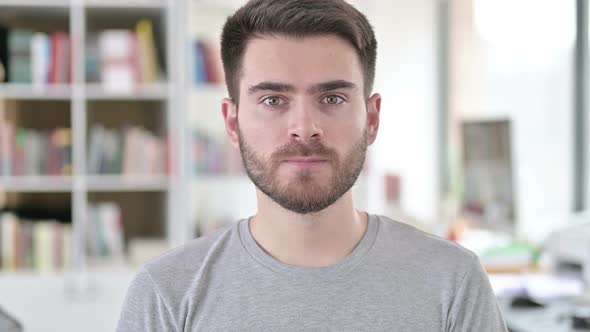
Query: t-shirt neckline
[[345, 265]]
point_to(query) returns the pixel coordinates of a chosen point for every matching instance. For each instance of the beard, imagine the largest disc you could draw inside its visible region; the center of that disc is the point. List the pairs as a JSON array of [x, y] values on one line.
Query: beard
[[307, 192]]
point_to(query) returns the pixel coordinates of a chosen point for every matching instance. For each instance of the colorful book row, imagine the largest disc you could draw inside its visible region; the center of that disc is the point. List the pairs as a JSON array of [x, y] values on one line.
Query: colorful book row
[[123, 59], [208, 155], [132, 150], [207, 64], [42, 245], [29, 57], [35, 152]]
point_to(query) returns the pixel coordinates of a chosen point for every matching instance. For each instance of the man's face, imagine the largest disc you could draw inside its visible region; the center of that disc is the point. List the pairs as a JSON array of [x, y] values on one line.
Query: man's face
[[302, 119]]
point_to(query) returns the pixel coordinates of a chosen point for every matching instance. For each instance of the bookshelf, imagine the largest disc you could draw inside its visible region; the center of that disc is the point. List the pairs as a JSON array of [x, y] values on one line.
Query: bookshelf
[[80, 98], [211, 165], [28, 92]]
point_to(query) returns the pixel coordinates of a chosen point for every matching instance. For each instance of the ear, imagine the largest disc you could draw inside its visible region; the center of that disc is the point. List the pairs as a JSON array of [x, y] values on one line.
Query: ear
[[373, 109], [230, 117]]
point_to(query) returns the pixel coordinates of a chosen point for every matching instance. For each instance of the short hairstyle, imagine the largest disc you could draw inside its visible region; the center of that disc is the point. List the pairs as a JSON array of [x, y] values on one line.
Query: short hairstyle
[[297, 19]]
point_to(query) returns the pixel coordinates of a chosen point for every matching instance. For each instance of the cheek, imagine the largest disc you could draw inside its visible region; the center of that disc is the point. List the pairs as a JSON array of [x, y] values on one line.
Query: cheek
[[261, 132], [259, 138], [346, 128], [264, 135]]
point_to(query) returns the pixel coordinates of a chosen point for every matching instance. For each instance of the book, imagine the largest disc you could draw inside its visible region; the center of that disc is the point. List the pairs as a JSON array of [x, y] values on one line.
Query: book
[[42, 238], [148, 62], [28, 244], [200, 63], [118, 62], [41, 58], [20, 144], [4, 54], [213, 66], [63, 150], [97, 134], [66, 247], [104, 234], [8, 224], [207, 65], [92, 58], [57, 246], [6, 147], [60, 70], [112, 229], [19, 48]]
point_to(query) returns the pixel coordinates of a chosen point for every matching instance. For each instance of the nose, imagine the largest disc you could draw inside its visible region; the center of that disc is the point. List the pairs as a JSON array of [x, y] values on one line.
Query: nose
[[304, 123]]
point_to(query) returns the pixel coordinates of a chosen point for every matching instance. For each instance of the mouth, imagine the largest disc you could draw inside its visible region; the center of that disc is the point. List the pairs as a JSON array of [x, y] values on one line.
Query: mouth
[[306, 162], [305, 159]]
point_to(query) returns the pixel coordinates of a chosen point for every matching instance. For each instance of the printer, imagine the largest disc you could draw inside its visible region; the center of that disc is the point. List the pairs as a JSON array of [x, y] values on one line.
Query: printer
[[568, 249]]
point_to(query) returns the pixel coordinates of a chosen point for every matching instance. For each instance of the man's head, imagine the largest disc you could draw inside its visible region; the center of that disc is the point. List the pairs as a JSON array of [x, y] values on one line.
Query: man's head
[[300, 73], [295, 19]]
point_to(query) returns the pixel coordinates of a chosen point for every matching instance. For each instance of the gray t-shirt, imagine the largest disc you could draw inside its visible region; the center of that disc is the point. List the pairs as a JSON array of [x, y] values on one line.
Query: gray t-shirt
[[396, 279]]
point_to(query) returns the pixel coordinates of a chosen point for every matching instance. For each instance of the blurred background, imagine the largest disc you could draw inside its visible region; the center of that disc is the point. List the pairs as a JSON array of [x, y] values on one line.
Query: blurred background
[[112, 146]]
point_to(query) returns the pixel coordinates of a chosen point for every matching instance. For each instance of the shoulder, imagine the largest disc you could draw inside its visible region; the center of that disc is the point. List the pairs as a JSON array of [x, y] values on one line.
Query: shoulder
[[411, 243], [163, 283], [181, 269], [187, 258]]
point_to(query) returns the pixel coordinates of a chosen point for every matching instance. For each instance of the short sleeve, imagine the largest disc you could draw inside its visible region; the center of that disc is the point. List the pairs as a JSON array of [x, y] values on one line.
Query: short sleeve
[[143, 308], [474, 306]]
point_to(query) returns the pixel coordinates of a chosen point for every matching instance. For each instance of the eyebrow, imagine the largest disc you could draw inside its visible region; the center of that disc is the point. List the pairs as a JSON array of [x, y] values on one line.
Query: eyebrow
[[270, 86], [332, 85], [284, 87]]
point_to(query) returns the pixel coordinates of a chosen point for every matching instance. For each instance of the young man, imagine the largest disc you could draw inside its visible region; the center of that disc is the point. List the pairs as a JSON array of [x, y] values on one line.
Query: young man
[[300, 75]]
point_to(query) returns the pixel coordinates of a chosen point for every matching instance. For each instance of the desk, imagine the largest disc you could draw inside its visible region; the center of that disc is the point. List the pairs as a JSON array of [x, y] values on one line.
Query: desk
[[552, 318]]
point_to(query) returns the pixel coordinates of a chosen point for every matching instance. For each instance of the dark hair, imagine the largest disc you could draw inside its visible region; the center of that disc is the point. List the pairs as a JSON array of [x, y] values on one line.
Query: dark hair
[[296, 18]]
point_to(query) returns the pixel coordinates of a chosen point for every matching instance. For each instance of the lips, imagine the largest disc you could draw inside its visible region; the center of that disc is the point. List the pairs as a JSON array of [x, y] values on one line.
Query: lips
[[305, 160]]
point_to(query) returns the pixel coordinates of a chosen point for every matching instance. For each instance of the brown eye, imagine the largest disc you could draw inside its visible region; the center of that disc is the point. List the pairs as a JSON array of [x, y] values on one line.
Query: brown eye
[[333, 100]]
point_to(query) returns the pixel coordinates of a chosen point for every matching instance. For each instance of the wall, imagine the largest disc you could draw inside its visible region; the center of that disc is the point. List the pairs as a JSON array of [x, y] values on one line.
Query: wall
[[406, 78], [532, 85]]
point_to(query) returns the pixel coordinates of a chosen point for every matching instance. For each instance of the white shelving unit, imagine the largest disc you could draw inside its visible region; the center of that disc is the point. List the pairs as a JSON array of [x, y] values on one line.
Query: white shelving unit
[[81, 17], [93, 291], [28, 92], [64, 4], [95, 91], [36, 183]]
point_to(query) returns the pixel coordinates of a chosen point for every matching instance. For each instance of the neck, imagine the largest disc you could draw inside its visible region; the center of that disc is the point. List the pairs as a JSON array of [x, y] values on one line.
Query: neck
[[313, 240]]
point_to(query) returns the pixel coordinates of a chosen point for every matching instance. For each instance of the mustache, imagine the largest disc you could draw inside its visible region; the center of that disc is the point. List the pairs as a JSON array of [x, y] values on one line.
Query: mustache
[[296, 148]]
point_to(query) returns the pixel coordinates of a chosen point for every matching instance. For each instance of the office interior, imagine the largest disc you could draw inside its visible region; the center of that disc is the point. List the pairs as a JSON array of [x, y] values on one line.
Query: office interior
[[113, 149]]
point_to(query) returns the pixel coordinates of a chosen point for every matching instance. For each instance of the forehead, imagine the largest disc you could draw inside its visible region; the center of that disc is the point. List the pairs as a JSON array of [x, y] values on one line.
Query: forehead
[[300, 61]]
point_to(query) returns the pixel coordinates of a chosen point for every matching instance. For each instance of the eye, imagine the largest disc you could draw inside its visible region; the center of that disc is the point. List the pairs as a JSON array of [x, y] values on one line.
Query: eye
[[333, 100], [273, 101]]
